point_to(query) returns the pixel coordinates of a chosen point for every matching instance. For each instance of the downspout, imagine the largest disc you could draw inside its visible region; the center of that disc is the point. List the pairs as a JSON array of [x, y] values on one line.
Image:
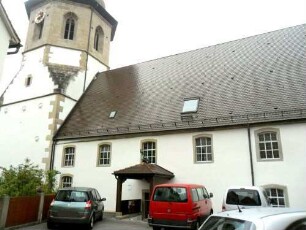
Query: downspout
[[251, 155], [52, 154], [88, 42]]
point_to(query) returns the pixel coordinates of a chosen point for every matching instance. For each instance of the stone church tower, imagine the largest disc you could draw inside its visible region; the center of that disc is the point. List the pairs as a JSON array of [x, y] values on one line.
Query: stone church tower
[[67, 44]]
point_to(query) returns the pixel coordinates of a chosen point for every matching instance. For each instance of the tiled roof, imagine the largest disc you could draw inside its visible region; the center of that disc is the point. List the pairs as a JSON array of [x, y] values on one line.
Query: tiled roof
[[255, 79], [142, 170]]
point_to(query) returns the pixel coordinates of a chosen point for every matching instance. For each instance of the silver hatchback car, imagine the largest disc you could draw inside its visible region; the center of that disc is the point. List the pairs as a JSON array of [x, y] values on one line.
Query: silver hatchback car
[[267, 218]]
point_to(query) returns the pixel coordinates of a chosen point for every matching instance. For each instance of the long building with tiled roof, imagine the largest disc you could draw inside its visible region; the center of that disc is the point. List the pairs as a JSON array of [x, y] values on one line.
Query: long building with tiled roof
[[251, 80], [228, 114]]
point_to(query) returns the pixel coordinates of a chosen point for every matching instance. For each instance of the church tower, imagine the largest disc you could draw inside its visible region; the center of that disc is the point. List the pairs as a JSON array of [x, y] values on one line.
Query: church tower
[[67, 44]]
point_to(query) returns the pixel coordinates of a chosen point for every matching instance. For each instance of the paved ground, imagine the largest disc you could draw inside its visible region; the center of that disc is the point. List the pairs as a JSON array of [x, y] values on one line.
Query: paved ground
[[108, 223]]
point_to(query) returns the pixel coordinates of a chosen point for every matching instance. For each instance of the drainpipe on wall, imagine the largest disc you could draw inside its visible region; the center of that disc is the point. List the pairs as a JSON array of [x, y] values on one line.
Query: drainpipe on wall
[[52, 155], [88, 42], [251, 155]]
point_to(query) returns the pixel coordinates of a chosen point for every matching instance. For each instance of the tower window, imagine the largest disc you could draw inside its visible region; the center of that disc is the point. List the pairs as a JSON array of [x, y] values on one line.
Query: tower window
[[69, 28], [98, 41], [28, 81], [38, 30]]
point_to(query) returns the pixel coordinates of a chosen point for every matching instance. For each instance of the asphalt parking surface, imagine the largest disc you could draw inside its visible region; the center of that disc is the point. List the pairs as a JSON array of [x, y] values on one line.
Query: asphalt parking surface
[[108, 223]]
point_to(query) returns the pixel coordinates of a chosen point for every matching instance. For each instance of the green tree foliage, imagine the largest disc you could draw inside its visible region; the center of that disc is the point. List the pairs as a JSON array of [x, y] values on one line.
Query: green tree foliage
[[26, 179]]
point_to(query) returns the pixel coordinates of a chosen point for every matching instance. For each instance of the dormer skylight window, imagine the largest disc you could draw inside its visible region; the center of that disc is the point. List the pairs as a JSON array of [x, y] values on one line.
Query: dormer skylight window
[[191, 105], [112, 114]]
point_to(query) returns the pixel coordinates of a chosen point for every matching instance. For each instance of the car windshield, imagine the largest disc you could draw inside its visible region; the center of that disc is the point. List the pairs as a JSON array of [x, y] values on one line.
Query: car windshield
[[71, 196], [243, 197], [222, 223], [170, 194]]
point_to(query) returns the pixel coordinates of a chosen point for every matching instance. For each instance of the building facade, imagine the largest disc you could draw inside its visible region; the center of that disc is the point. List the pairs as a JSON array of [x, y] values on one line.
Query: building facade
[[230, 114]]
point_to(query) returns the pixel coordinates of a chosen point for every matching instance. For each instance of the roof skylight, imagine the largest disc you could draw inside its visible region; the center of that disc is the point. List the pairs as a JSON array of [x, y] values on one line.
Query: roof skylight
[[112, 114], [190, 105]]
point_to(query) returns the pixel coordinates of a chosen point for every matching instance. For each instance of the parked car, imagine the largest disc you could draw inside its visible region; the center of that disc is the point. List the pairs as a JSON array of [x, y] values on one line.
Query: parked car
[[179, 206], [245, 197], [263, 218], [76, 205]]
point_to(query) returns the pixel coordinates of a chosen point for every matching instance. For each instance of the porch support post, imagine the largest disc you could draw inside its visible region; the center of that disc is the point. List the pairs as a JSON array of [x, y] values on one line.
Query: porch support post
[[119, 194]]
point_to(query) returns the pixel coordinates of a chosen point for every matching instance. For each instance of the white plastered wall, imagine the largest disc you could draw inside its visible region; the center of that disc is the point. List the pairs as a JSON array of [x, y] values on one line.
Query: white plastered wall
[[231, 164]]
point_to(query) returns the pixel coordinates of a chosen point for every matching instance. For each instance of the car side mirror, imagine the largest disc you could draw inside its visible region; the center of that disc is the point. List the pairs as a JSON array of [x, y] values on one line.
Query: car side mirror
[[103, 199], [211, 195]]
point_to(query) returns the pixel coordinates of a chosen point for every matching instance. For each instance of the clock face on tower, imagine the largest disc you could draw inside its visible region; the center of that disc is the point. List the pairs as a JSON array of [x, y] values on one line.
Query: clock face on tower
[[39, 17]]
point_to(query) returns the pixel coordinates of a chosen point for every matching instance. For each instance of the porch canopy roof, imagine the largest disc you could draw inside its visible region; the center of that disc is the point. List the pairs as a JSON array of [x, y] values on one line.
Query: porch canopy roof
[[143, 171]]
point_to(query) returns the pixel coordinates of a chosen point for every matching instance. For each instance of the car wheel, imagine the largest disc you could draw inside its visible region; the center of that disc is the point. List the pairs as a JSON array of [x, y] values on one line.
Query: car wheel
[[196, 225], [91, 222], [50, 225], [101, 216], [156, 228]]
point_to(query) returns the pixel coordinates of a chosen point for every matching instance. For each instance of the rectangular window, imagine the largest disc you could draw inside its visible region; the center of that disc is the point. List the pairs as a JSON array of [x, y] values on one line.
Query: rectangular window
[[149, 151], [69, 156], [104, 155], [268, 145], [203, 149]]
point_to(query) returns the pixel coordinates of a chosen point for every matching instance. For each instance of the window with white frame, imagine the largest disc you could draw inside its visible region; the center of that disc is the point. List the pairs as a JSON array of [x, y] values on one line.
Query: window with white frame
[[66, 181], [69, 156], [203, 149], [104, 155], [268, 144], [149, 151], [277, 196]]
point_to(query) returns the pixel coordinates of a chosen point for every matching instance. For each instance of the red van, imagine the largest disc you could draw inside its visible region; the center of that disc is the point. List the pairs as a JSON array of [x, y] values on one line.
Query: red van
[[179, 206]]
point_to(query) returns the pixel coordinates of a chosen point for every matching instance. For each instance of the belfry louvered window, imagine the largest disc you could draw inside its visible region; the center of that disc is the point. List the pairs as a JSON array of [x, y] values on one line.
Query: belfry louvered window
[[98, 40]]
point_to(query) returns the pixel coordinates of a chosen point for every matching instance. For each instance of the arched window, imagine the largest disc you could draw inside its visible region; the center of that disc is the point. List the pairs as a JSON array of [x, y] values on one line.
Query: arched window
[[66, 181], [38, 30], [98, 40], [278, 195], [70, 26], [104, 157]]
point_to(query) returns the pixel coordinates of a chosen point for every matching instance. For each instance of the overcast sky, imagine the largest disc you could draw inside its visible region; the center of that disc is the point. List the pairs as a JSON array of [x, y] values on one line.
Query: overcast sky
[[149, 29]]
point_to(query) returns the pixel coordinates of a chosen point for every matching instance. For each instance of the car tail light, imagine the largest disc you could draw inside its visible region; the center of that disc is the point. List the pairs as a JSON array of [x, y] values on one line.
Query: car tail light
[[88, 204]]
